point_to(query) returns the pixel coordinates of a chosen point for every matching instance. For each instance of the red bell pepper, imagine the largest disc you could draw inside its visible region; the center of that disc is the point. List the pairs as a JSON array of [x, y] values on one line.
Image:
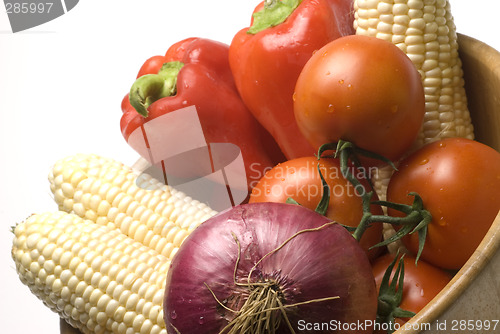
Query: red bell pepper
[[267, 58], [195, 72]]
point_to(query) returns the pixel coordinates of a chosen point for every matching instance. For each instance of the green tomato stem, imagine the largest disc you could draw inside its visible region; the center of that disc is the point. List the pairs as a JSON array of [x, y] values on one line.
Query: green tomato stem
[[391, 295], [416, 217]]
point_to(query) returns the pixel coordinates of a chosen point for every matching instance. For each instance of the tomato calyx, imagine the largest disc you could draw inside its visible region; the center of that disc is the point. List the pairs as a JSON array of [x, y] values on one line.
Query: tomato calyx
[[416, 217], [417, 220], [348, 151], [322, 206], [152, 87], [390, 296]]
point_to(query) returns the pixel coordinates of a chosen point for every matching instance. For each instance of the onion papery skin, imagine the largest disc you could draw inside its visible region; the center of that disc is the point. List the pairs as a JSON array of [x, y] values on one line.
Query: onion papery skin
[[325, 263]]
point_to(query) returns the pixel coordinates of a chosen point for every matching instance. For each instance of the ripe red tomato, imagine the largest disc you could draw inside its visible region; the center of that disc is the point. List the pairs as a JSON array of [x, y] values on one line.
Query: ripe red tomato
[[364, 90], [459, 182], [299, 179], [422, 282]]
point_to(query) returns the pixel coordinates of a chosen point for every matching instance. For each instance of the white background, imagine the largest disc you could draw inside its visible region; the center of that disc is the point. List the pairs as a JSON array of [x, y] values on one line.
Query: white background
[[61, 85]]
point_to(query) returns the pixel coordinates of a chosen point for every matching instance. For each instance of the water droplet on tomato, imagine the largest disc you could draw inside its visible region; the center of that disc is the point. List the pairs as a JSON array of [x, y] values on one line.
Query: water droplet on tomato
[[348, 107], [349, 86], [201, 321], [424, 161], [294, 96], [328, 73], [341, 81], [441, 145], [442, 222], [330, 109], [173, 315]]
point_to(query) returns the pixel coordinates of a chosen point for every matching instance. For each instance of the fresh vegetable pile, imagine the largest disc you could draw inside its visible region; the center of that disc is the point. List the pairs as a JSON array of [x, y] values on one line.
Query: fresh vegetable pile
[[351, 120]]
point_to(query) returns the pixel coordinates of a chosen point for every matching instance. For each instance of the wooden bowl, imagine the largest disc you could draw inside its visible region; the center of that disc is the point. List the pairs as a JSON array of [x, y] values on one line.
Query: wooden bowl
[[473, 295]]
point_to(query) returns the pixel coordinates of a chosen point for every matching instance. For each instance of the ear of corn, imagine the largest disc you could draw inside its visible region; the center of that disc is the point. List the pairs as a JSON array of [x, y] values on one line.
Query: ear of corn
[[94, 277], [112, 194], [101, 261], [426, 32]]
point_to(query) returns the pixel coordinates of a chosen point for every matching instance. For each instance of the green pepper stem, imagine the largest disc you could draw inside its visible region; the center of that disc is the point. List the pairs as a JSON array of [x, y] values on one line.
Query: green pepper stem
[[152, 87], [273, 13]]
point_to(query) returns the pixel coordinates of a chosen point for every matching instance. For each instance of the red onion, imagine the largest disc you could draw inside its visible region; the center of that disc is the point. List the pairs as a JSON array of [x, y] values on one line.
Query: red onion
[[321, 268]]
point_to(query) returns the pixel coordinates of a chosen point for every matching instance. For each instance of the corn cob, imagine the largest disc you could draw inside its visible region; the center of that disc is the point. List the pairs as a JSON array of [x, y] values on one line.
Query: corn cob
[[111, 194], [94, 277], [426, 32]]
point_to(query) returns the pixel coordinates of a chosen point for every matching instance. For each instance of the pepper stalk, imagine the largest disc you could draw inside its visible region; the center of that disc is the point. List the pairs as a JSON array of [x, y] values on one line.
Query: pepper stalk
[[152, 87], [273, 13]]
